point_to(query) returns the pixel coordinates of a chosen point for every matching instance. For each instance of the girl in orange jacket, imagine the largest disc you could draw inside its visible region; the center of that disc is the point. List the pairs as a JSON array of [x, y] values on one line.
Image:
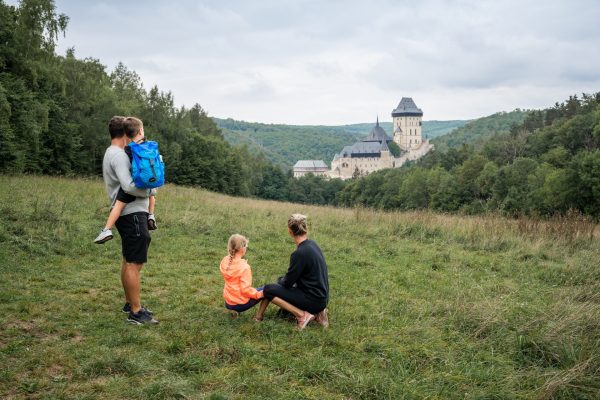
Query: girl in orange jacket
[[238, 292]]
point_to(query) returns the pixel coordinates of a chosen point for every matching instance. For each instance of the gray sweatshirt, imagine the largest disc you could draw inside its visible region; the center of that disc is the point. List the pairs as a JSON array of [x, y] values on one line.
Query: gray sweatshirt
[[116, 171]]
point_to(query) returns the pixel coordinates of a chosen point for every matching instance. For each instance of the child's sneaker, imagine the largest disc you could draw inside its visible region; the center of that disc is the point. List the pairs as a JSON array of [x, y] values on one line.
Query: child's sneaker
[[151, 222], [304, 320], [104, 236], [323, 319]]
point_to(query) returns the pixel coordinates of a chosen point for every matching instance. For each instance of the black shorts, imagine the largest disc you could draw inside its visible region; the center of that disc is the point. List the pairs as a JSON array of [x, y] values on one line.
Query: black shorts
[[295, 297], [135, 237], [124, 197]]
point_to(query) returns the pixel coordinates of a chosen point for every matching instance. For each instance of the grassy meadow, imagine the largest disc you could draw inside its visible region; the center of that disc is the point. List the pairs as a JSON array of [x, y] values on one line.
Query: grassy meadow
[[422, 305]]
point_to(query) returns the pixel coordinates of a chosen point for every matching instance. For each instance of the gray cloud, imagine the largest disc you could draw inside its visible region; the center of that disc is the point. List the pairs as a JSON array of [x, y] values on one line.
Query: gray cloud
[[345, 61]]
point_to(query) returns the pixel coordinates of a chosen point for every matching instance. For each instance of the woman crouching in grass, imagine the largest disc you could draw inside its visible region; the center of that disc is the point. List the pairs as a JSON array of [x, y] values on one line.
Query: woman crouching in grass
[[304, 290], [238, 292]]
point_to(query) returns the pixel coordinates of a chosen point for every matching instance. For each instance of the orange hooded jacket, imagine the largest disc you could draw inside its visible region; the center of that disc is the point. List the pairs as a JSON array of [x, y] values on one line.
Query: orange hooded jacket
[[238, 282]]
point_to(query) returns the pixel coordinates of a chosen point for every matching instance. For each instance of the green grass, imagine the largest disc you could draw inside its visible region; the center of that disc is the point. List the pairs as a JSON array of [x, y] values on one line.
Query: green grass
[[422, 305]]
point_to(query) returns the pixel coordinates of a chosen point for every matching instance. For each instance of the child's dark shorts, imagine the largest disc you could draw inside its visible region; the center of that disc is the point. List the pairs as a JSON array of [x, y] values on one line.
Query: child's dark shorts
[[135, 237], [243, 307], [124, 197]]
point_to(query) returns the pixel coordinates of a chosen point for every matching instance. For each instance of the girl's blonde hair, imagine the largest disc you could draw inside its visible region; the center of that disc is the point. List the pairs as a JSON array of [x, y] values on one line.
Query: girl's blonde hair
[[297, 224], [235, 244]]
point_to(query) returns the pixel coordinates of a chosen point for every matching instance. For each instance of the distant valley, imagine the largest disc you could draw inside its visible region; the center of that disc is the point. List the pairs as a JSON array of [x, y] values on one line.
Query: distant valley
[[285, 144]]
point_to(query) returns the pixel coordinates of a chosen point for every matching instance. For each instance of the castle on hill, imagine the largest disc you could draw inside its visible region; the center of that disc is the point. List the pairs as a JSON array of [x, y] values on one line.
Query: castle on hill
[[373, 153]]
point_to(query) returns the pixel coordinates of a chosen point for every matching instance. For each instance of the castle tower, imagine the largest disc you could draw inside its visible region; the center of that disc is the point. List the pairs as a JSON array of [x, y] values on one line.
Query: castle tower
[[407, 119]]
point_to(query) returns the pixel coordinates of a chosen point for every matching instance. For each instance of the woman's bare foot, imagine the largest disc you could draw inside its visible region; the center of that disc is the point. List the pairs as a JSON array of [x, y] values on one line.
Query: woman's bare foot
[[257, 319]]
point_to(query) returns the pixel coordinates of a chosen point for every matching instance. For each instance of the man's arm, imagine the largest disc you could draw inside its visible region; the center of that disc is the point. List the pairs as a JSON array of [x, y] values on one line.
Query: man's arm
[[122, 166], [294, 271]]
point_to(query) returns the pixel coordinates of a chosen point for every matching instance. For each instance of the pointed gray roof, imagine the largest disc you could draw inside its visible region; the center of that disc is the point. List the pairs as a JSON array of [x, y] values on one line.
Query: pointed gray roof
[[362, 149], [407, 108], [377, 134], [384, 146]]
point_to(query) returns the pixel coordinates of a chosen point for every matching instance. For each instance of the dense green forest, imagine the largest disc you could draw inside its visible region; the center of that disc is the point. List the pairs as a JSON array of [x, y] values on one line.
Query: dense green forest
[[548, 164], [286, 144], [479, 131], [54, 112]]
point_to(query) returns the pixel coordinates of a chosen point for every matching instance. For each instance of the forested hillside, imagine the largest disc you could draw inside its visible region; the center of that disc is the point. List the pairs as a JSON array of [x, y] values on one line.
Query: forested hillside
[[478, 131], [286, 144], [431, 129], [549, 164]]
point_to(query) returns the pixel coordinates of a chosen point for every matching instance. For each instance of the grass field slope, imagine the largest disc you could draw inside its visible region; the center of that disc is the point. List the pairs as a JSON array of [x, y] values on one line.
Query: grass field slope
[[422, 305]]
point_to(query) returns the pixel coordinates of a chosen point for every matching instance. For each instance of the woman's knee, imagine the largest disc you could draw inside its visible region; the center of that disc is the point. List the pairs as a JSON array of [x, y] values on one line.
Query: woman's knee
[[271, 290], [274, 290]]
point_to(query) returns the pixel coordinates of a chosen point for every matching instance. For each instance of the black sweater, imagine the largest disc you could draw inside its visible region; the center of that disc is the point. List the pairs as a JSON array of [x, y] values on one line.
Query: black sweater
[[309, 271]]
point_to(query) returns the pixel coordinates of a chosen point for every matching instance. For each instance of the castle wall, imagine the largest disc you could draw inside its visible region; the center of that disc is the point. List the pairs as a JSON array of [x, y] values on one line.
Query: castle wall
[[344, 168], [316, 172]]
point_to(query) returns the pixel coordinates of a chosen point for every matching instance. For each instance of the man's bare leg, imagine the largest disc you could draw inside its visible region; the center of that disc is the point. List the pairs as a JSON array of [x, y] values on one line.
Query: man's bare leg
[[123, 269], [132, 285]]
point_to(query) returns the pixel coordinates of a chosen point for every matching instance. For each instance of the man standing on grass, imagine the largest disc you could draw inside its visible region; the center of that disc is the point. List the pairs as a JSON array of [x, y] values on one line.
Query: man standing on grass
[[133, 222]]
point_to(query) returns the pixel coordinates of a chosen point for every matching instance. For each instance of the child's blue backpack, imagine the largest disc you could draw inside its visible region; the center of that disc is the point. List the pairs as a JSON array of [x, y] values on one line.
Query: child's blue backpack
[[147, 167]]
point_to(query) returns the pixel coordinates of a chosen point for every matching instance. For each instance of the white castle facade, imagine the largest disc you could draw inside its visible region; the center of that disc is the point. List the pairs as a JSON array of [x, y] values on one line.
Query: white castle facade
[[373, 153]]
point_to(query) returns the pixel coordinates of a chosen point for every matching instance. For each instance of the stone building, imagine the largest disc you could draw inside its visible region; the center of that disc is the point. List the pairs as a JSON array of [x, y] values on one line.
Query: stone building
[[315, 167], [373, 153], [370, 154]]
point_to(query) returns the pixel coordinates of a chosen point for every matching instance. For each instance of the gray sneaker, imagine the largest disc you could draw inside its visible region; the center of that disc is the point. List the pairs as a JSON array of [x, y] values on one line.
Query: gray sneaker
[[127, 309], [141, 317], [104, 236]]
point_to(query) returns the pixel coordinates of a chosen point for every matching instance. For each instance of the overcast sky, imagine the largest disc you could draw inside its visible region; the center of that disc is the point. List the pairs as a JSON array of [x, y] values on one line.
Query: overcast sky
[[339, 62]]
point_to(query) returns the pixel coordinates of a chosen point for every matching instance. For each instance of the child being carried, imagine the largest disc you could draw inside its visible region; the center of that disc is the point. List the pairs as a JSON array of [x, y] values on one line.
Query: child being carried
[[147, 171]]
